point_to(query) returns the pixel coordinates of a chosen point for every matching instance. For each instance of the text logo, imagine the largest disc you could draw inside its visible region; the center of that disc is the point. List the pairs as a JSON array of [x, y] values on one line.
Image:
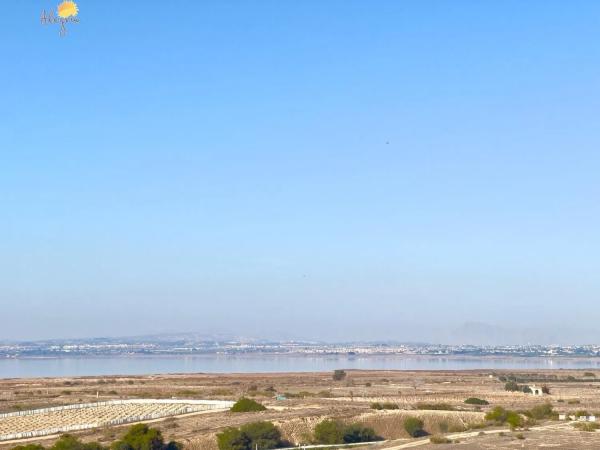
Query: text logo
[[66, 13]]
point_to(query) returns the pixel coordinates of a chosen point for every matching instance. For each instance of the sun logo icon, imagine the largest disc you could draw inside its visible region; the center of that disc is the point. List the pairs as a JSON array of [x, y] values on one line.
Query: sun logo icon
[[67, 8]]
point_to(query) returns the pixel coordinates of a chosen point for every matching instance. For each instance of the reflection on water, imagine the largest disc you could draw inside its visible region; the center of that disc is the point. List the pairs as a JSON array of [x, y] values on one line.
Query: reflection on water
[[24, 368]]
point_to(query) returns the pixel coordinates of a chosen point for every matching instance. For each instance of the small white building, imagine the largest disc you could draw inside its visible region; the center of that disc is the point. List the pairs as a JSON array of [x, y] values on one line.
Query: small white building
[[577, 418], [535, 390]]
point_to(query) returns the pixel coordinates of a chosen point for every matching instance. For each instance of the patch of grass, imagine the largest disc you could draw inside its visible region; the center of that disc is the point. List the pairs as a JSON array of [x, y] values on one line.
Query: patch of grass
[[476, 401], [587, 426], [434, 406], [385, 405], [439, 440], [222, 392], [187, 392]]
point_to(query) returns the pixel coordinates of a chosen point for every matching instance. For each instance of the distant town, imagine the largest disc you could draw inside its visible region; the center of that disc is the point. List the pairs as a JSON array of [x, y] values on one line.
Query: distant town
[[191, 345]]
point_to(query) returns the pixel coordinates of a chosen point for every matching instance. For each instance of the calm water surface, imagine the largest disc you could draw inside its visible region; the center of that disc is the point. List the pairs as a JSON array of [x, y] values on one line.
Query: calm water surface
[[27, 368]]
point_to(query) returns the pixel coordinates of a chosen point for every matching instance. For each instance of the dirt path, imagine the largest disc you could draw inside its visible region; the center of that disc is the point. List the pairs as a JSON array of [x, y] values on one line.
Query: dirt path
[[469, 434]]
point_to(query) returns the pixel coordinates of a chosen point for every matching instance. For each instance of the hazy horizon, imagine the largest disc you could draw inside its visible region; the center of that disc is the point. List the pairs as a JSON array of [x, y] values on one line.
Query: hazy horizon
[[341, 170]]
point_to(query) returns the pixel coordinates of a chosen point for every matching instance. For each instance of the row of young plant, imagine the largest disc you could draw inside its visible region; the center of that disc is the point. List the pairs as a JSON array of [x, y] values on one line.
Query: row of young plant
[[138, 437]]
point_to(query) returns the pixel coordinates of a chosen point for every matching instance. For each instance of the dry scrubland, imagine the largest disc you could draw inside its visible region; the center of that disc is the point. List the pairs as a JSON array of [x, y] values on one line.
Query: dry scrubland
[[313, 397]]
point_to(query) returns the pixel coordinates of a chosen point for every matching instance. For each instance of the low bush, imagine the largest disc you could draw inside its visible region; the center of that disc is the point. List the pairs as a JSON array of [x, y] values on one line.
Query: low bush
[[543, 411], [263, 435], [414, 426], [587, 426], [435, 406], [511, 386], [339, 375], [331, 432], [247, 405], [439, 440], [385, 405], [476, 401], [500, 416]]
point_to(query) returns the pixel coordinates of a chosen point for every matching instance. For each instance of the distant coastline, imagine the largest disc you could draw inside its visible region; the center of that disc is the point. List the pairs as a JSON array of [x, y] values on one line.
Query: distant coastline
[[138, 365]]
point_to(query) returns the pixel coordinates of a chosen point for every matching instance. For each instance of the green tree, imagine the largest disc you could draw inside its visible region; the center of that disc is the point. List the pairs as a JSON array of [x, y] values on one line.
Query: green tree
[[247, 405], [329, 432], [142, 437], [413, 426], [339, 375], [356, 433], [511, 386], [233, 439], [263, 435]]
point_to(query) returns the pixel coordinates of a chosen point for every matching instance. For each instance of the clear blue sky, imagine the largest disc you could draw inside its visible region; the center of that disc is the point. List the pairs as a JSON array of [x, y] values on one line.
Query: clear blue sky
[[321, 169]]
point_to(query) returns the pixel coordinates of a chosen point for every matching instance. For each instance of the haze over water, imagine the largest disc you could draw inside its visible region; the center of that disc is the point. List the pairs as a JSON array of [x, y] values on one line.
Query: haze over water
[[56, 367]]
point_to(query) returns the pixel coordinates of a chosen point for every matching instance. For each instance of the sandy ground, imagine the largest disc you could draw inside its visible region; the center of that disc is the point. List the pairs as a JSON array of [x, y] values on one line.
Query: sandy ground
[[315, 396]]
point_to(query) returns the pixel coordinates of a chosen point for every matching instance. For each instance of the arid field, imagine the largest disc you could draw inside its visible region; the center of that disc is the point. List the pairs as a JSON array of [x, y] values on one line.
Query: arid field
[[305, 399]]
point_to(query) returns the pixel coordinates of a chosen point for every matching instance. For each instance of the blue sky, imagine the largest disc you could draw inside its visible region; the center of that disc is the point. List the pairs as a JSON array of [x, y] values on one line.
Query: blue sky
[[316, 169]]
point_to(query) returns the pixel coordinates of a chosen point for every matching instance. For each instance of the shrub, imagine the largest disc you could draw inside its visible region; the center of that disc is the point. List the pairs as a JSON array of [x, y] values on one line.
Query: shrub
[[232, 439], [589, 374], [413, 426], [29, 447], [339, 375], [385, 405], [329, 432], [263, 435], [519, 436], [514, 419], [247, 405], [586, 426], [501, 416], [511, 386], [545, 389], [476, 401], [435, 406], [69, 442], [142, 437], [439, 440], [356, 433], [542, 411]]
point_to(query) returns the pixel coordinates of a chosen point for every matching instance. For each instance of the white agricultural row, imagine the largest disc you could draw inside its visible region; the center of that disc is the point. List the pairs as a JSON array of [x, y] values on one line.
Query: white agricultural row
[[60, 419]]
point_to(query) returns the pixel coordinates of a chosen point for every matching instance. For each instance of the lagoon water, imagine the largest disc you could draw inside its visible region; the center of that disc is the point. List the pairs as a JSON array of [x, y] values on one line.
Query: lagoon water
[[123, 365]]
